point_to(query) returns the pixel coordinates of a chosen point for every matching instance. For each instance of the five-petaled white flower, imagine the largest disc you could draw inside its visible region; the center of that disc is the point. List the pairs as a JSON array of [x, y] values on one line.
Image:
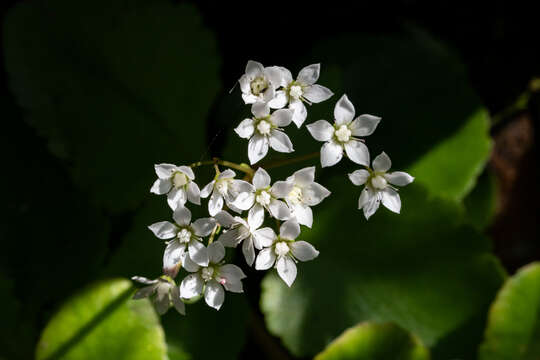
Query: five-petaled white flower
[[264, 130], [162, 291], [285, 252], [247, 231], [213, 278], [177, 182], [304, 193], [263, 196], [303, 89], [342, 135], [186, 239], [224, 187], [258, 84], [377, 186]]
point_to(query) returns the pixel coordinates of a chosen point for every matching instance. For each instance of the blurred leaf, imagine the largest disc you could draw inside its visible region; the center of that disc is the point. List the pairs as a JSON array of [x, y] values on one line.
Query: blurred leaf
[[513, 330], [423, 270], [372, 341], [101, 322], [480, 203], [114, 86]]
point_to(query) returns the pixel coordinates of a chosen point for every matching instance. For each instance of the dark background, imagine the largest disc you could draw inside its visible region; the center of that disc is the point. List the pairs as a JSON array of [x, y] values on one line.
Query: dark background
[[497, 41]]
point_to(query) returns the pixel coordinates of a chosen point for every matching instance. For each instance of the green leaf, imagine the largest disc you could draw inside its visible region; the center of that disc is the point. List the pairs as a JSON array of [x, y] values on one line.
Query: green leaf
[[480, 203], [101, 322], [372, 341], [423, 270], [114, 86], [513, 330]]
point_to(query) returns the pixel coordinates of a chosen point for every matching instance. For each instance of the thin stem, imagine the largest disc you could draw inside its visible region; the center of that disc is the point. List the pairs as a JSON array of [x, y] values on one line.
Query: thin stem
[[216, 161], [213, 234], [279, 163]]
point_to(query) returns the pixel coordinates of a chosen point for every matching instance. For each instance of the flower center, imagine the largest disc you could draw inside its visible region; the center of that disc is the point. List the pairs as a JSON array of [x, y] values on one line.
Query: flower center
[[222, 186], [263, 198], [295, 92], [264, 127], [295, 196], [179, 179], [343, 134], [258, 85], [378, 182], [184, 236], [207, 273], [281, 248]]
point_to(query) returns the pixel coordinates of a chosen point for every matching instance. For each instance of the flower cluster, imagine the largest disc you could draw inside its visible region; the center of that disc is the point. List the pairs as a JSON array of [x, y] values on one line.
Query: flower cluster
[[245, 210]]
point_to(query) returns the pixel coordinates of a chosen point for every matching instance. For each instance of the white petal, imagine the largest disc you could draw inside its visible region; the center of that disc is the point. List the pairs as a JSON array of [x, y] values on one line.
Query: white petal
[[364, 125], [280, 142], [177, 302], [281, 117], [161, 186], [245, 84], [281, 189], [176, 198], [231, 277], [286, 76], [331, 154], [232, 237], [321, 130], [245, 200], [303, 251], [265, 259], [391, 200], [204, 226], [382, 162], [172, 257], [257, 148], [224, 219], [279, 209], [194, 193], [263, 237], [299, 112], [279, 100], [255, 220], [257, 211], [268, 95], [286, 269], [164, 171], [357, 152], [187, 263], [275, 75], [214, 295], [302, 214], [248, 251], [364, 198], [245, 129], [188, 171], [144, 292], [260, 110], [216, 252], [310, 74], [240, 186], [249, 98], [254, 69], [207, 190], [215, 204], [344, 111], [182, 216], [164, 230], [304, 176], [143, 280], [162, 303], [227, 174], [372, 204], [317, 93], [198, 253], [191, 286], [399, 178], [289, 230], [261, 179], [359, 177], [314, 194]]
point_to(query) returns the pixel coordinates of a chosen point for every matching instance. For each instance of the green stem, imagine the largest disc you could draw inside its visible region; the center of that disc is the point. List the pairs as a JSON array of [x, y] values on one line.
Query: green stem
[[275, 164], [216, 161]]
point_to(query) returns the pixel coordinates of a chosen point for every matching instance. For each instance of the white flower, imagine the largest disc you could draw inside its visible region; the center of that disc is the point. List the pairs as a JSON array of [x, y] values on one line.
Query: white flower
[[211, 279], [264, 130], [378, 186], [177, 182], [303, 89], [224, 188], [263, 196], [304, 193], [163, 293], [285, 252], [246, 231], [341, 135], [186, 240], [258, 84]]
